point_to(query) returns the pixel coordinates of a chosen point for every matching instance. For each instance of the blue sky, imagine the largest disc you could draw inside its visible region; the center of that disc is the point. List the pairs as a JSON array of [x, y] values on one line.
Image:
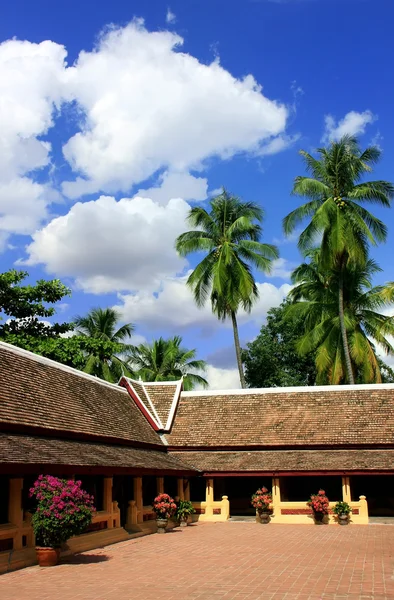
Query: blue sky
[[139, 113]]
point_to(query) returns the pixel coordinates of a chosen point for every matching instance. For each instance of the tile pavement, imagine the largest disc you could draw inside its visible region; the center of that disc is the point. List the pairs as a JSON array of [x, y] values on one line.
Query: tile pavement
[[224, 561]]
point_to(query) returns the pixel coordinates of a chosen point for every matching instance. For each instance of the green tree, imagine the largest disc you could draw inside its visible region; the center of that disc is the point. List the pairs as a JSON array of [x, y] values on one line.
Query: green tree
[[22, 307], [167, 360], [229, 235], [271, 360], [315, 299], [102, 324], [337, 216]]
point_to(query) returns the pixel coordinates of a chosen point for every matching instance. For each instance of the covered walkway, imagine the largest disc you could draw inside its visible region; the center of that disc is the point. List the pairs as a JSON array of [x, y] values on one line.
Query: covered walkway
[[229, 561]]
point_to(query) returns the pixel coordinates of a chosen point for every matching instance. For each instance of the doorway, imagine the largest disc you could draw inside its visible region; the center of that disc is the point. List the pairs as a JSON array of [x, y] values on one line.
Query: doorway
[[239, 491]]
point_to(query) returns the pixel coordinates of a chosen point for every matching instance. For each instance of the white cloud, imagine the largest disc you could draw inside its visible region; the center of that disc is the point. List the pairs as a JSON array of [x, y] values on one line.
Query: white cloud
[[176, 185], [277, 144], [172, 307], [170, 17], [353, 123], [222, 379], [149, 106], [108, 245], [281, 268], [31, 87]]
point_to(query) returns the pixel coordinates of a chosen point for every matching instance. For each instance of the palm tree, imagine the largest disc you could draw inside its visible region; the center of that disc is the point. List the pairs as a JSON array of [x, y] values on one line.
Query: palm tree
[[229, 235], [167, 360], [336, 194], [315, 303], [102, 324]]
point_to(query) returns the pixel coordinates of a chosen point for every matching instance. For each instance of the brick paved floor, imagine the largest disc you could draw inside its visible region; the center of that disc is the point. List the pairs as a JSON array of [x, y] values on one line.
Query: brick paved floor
[[223, 561]]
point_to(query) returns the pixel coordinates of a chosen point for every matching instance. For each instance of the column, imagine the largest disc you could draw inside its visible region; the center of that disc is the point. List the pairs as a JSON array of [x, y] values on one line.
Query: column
[[186, 489], [209, 498], [138, 498], [346, 494], [276, 495], [180, 493], [15, 511], [160, 485], [107, 496], [363, 511]]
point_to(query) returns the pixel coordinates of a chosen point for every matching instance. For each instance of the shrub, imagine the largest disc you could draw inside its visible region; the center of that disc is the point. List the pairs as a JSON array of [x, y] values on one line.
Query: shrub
[[262, 500], [185, 508], [319, 502], [164, 506], [342, 508], [63, 510]]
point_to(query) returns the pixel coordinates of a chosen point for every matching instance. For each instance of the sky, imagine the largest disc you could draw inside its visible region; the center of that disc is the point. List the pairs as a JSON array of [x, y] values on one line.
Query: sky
[[117, 117]]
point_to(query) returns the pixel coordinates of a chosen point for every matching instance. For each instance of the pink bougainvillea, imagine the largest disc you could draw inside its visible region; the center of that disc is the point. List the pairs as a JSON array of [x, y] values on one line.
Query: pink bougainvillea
[[262, 500], [63, 509], [164, 506], [319, 502]]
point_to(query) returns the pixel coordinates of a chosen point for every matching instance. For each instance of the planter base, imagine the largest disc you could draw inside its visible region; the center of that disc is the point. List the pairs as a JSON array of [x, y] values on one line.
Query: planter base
[[48, 557], [161, 525], [319, 518], [264, 518], [343, 519]]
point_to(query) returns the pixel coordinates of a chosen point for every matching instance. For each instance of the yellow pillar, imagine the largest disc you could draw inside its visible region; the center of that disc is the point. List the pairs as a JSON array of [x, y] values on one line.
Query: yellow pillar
[[363, 514], [186, 488], [225, 508], [160, 485], [276, 495], [209, 498], [107, 495], [181, 493], [346, 495], [138, 498], [15, 511]]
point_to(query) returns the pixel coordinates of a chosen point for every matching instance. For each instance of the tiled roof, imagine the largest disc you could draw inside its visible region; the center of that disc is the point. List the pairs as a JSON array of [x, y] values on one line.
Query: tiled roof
[[159, 399], [38, 392], [36, 450], [288, 460], [286, 417]]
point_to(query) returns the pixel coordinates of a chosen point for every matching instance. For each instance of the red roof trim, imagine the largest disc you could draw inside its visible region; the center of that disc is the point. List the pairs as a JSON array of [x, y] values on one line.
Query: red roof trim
[[124, 383], [338, 473]]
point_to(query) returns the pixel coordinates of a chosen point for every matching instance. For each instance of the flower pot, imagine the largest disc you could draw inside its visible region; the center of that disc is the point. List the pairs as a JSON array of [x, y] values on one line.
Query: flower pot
[[319, 517], [184, 521], [47, 557], [263, 517], [343, 519], [161, 525]]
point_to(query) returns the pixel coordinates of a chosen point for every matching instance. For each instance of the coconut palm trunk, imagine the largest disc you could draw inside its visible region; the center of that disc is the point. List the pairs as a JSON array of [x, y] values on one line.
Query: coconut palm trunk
[[345, 343], [238, 349]]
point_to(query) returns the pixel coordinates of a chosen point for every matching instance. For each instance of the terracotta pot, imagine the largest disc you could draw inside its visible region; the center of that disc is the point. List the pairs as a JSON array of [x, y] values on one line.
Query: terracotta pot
[[161, 525], [343, 519], [47, 557], [263, 517]]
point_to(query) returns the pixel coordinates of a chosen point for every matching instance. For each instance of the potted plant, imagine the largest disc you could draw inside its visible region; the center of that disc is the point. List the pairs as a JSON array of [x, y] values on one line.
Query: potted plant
[[164, 507], [262, 501], [342, 510], [63, 510], [184, 511], [319, 503]]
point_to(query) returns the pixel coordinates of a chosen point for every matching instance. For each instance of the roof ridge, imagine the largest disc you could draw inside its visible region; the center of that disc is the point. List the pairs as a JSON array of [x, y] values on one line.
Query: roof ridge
[[53, 363], [286, 390]]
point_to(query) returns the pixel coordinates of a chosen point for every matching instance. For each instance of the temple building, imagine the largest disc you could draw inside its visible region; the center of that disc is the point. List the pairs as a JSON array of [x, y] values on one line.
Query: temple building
[[129, 441]]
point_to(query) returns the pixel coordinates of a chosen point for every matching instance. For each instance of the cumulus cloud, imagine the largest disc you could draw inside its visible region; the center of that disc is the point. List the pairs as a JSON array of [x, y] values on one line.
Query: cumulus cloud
[[176, 185], [108, 245], [353, 123], [31, 88], [172, 306], [281, 268], [149, 106], [222, 379]]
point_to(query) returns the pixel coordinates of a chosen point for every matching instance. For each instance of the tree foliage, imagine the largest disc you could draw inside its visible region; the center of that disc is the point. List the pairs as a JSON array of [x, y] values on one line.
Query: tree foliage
[[229, 236], [271, 360], [167, 360]]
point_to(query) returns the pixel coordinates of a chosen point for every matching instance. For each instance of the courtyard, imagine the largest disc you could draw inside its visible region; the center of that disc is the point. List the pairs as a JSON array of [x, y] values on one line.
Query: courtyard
[[229, 561]]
